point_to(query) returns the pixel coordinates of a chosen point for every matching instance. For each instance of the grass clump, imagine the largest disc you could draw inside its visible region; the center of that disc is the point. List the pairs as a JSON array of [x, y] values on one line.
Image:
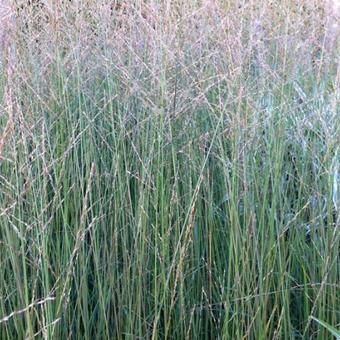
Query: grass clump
[[169, 170]]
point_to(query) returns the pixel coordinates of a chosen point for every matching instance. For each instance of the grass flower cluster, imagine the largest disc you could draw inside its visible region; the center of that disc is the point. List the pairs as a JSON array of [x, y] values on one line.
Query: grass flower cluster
[[169, 169]]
